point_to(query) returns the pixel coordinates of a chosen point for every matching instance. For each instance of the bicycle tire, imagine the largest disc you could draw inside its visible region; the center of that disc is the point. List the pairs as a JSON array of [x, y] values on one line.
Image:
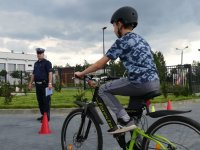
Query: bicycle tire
[[65, 129], [182, 123]]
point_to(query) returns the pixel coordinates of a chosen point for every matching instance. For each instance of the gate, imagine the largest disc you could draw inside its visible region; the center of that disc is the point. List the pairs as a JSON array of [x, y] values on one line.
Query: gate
[[184, 75]]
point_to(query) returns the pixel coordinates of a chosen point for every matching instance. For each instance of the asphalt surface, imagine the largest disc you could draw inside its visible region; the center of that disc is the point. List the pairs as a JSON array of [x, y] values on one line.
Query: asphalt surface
[[19, 129]]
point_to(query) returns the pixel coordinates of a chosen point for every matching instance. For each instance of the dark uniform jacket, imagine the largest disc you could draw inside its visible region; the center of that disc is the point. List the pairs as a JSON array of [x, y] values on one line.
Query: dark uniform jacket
[[41, 70]]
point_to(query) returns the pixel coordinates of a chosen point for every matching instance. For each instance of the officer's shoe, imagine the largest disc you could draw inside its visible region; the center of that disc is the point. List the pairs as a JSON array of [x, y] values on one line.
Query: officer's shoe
[[40, 118]]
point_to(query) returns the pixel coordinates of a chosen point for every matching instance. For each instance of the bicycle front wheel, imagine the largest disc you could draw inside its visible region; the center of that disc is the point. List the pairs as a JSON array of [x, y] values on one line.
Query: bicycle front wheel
[[182, 132], [81, 132]]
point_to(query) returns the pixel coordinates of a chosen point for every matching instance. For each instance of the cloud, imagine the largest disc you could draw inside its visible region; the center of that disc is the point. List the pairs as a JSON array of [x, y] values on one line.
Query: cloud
[[73, 28]]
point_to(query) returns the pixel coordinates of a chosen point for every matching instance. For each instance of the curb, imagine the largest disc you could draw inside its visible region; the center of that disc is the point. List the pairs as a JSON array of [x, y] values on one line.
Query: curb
[[175, 104], [35, 111]]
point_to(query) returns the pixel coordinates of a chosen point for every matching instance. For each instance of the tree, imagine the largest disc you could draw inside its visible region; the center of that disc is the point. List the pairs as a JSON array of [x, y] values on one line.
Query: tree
[[162, 71], [3, 73], [79, 67], [22, 75], [161, 65], [196, 69], [16, 74], [195, 63], [116, 69], [86, 64], [67, 65]]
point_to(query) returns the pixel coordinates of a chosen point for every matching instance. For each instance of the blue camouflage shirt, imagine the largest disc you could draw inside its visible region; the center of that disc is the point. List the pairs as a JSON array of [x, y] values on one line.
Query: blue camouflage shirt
[[135, 53]]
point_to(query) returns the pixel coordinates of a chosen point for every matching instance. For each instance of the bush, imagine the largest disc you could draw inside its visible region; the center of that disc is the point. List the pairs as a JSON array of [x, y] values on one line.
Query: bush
[[164, 88], [185, 91], [57, 86], [80, 95], [181, 90], [25, 88], [5, 91]]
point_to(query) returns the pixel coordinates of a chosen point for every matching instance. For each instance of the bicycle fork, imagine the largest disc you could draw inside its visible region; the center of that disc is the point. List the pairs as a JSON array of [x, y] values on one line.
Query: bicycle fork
[[81, 136]]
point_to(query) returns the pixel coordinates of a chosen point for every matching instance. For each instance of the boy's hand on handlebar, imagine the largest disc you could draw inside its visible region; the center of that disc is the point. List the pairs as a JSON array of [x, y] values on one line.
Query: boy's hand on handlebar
[[79, 75], [91, 83]]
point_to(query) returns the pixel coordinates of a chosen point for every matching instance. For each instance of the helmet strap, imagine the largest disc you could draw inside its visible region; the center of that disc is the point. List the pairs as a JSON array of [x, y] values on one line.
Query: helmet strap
[[119, 32]]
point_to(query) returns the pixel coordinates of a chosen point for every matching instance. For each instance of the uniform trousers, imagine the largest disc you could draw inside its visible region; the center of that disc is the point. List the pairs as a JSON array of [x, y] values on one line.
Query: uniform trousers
[[44, 101]]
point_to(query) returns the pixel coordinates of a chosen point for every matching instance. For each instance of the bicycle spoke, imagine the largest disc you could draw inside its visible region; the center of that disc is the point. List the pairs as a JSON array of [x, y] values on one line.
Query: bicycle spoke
[[81, 133], [183, 134]]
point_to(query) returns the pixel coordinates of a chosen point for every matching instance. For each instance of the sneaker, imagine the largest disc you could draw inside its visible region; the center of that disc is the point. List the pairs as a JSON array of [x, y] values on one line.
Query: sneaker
[[123, 126], [40, 118]]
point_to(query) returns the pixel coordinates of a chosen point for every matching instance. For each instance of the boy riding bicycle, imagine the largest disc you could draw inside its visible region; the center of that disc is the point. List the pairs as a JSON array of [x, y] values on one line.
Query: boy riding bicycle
[[136, 55]]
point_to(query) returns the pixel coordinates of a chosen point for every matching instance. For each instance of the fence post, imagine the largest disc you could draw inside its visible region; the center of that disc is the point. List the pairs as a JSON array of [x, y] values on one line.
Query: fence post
[[84, 83], [60, 77], [21, 78]]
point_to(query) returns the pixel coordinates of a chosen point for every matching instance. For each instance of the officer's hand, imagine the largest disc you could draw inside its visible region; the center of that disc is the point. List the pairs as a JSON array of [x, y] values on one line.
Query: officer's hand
[[50, 86], [78, 75], [30, 86]]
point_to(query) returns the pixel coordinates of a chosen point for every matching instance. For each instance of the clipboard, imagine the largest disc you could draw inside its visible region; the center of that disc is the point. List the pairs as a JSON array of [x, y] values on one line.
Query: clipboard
[[48, 91]]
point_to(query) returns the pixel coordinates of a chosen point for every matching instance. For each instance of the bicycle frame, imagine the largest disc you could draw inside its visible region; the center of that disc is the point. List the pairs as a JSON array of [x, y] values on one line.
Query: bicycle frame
[[121, 139], [155, 138], [108, 117]]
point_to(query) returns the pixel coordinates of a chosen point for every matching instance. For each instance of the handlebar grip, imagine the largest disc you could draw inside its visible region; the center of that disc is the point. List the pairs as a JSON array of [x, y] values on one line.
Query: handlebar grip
[[77, 76]]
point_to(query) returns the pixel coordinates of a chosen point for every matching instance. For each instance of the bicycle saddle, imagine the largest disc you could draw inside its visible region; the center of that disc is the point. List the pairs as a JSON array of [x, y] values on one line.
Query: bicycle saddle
[[147, 96]]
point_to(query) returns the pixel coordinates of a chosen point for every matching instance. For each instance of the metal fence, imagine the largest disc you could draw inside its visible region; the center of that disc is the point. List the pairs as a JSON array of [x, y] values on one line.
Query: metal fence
[[184, 75], [16, 77]]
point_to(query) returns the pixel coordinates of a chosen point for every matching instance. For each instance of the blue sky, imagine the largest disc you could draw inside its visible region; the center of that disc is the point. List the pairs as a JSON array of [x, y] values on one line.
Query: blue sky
[[71, 30]]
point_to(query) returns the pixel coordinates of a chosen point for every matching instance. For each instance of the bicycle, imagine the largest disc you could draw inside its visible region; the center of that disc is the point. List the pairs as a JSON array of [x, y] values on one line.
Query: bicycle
[[170, 132]]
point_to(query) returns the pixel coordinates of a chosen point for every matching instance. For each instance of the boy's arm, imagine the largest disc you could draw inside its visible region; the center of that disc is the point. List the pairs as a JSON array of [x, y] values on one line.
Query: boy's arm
[[96, 66]]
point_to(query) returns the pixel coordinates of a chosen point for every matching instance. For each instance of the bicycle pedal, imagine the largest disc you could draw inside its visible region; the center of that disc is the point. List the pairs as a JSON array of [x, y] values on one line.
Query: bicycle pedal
[[135, 147], [118, 134]]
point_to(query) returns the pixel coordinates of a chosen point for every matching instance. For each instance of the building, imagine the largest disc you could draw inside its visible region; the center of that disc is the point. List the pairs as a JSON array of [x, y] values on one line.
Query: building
[[11, 61], [67, 75]]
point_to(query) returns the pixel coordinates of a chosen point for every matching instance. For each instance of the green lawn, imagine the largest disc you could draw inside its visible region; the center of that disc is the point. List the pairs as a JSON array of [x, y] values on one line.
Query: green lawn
[[65, 99]]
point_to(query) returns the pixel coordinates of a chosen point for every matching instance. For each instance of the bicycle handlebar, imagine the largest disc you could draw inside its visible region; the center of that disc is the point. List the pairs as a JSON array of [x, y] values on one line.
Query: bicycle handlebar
[[88, 79]]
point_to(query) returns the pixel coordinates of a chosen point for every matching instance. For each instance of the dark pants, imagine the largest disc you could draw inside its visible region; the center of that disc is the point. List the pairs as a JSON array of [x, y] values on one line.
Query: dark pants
[[43, 100]]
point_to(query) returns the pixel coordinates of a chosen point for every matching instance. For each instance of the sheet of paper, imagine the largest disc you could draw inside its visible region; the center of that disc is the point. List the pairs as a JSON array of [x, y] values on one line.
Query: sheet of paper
[[48, 91]]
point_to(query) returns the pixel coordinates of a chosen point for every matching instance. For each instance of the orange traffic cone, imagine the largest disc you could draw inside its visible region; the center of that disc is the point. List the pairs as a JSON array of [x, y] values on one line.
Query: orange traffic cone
[[45, 125], [169, 106]]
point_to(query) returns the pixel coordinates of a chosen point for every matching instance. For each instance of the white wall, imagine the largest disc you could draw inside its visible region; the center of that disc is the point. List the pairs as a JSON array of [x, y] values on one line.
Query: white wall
[[17, 58]]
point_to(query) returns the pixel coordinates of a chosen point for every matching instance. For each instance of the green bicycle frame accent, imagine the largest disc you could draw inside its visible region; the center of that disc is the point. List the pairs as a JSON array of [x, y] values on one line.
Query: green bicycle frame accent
[[155, 138]]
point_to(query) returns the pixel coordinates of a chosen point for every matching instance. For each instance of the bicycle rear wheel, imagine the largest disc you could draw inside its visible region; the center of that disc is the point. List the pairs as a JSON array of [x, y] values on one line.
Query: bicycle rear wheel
[[183, 132], [81, 132]]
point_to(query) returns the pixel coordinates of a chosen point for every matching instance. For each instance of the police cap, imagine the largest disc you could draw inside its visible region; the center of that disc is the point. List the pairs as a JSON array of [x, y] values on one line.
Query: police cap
[[40, 50]]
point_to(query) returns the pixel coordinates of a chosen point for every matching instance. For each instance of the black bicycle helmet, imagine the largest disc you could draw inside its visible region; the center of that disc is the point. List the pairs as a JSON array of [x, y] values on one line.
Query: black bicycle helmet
[[127, 15]]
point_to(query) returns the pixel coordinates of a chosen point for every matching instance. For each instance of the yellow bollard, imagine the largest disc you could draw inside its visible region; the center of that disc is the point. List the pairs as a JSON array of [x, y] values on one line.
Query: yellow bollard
[[153, 109]]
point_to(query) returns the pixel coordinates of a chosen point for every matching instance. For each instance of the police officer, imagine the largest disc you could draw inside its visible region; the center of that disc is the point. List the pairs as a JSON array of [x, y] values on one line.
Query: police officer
[[42, 75]]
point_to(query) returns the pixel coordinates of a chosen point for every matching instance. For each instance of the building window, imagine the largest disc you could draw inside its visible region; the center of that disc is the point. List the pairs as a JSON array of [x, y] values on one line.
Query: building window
[[29, 65], [21, 67], [11, 67], [2, 66]]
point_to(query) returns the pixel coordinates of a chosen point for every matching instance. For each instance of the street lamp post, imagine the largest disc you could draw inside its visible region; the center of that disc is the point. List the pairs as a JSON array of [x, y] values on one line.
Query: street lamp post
[[182, 54], [104, 71]]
